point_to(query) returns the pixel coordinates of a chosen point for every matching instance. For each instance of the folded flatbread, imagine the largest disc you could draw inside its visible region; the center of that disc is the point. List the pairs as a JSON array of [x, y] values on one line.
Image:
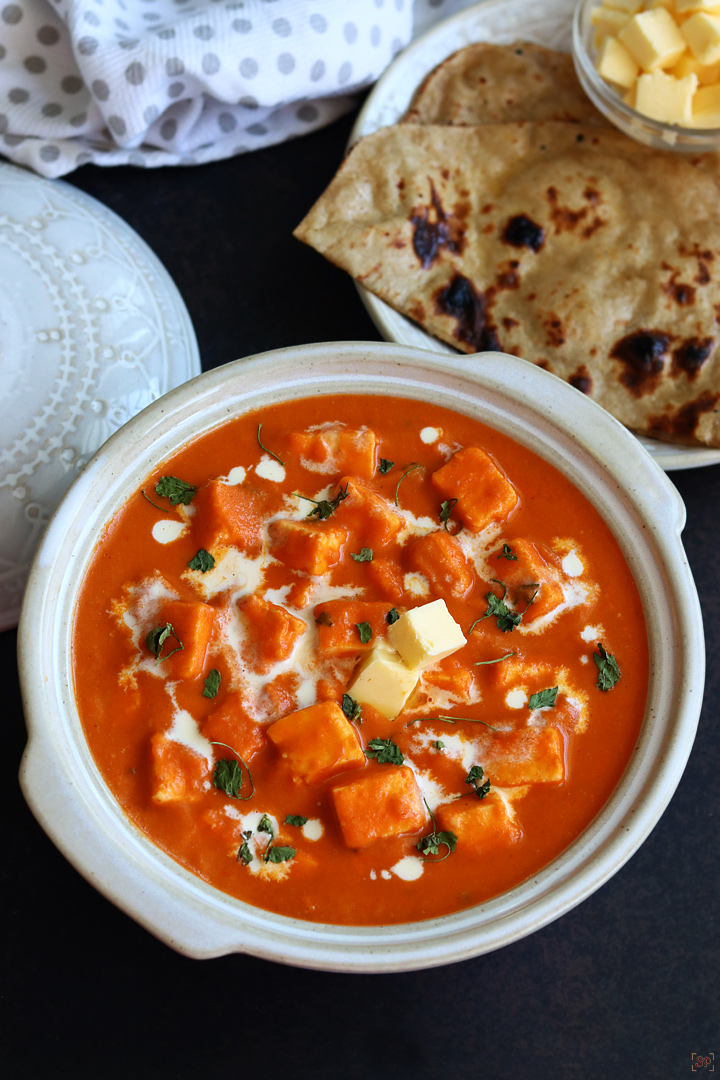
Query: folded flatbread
[[491, 84], [568, 245]]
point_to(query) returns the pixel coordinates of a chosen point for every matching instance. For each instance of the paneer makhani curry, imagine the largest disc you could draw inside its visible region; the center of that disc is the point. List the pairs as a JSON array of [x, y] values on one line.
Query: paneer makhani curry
[[360, 660]]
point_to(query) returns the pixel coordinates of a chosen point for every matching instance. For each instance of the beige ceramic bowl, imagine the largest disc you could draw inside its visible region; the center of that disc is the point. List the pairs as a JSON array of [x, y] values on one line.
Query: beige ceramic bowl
[[70, 799], [684, 140]]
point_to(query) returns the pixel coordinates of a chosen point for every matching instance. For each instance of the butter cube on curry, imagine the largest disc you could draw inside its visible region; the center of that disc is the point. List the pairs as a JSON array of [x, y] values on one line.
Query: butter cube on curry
[[384, 681], [480, 824], [426, 634], [384, 802], [317, 742], [484, 494]]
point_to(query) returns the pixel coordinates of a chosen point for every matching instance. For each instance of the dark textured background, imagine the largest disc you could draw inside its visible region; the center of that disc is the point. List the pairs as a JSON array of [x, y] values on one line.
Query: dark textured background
[[626, 985]]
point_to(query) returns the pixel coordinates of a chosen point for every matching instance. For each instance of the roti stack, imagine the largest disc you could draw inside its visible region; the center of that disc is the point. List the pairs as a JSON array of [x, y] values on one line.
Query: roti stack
[[563, 243]]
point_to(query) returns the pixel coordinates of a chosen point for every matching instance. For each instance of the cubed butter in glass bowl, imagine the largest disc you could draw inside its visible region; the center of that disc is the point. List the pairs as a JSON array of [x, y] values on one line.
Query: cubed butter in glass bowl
[[652, 67]]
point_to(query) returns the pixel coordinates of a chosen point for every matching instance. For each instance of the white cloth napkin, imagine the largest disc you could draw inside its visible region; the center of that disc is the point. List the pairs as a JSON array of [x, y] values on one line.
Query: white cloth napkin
[[182, 82]]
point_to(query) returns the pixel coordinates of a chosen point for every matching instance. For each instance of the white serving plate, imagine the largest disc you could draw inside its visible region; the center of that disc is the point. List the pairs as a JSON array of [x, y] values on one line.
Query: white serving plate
[[502, 21], [71, 800], [92, 329]]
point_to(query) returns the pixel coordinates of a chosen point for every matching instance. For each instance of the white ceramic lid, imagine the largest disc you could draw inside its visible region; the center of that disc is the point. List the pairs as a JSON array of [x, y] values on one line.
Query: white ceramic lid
[[92, 329]]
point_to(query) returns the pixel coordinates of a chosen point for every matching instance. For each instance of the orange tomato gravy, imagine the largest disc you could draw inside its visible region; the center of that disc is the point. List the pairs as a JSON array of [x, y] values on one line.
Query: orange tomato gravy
[[126, 700]]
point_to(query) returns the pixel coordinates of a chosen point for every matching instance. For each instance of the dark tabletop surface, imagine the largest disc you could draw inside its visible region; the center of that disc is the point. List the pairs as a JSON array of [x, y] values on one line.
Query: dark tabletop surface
[[625, 985]]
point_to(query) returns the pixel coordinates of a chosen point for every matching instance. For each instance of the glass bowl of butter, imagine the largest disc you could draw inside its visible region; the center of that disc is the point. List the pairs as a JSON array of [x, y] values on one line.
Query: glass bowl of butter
[[652, 67]]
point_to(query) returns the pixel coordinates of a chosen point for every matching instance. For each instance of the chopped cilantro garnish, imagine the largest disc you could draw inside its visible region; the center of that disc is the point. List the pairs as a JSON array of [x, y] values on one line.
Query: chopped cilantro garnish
[[365, 632], [295, 819], [157, 638], [177, 491], [507, 553], [212, 683], [385, 465], [202, 561], [352, 708], [608, 670], [544, 699], [475, 779], [392, 616], [365, 555], [325, 507], [385, 751]]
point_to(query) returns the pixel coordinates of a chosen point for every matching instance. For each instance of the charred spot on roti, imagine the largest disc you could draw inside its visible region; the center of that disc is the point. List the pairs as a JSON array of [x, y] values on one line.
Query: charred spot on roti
[[434, 229], [679, 291], [508, 278], [509, 323], [461, 301], [554, 331], [581, 380], [703, 274], [522, 231], [566, 220], [689, 357], [643, 354], [683, 422]]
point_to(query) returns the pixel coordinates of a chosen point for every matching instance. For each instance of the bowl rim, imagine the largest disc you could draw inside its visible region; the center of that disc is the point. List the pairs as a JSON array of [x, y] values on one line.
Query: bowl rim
[[675, 137], [70, 799]]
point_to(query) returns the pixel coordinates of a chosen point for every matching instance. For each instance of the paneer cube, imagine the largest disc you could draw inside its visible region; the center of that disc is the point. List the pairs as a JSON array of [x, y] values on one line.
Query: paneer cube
[[192, 624], [518, 672], [384, 802], [384, 681], [702, 33], [653, 39], [484, 494], [317, 742], [338, 621], [426, 634], [177, 772], [529, 756], [665, 98], [616, 64], [279, 696], [452, 678], [520, 576], [229, 514], [309, 546], [274, 632], [368, 515], [229, 723], [335, 449], [439, 557], [480, 825]]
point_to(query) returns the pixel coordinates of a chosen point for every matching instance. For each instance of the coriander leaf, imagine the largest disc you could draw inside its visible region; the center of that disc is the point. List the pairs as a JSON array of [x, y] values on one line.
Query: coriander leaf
[[265, 825], [506, 619], [325, 507], [163, 508], [227, 777], [295, 819], [497, 660], [266, 449], [385, 465], [608, 670], [474, 778], [352, 708], [157, 638], [430, 844], [177, 491], [507, 553], [244, 854], [279, 854], [438, 744], [392, 616], [385, 751], [544, 699], [446, 509], [410, 468], [365, 632], [365, 555], [212, 683], [202, 561]]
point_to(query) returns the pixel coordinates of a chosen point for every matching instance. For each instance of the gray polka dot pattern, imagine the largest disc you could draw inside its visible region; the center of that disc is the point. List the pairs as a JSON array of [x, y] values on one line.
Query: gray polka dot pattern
[[183, 82]]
